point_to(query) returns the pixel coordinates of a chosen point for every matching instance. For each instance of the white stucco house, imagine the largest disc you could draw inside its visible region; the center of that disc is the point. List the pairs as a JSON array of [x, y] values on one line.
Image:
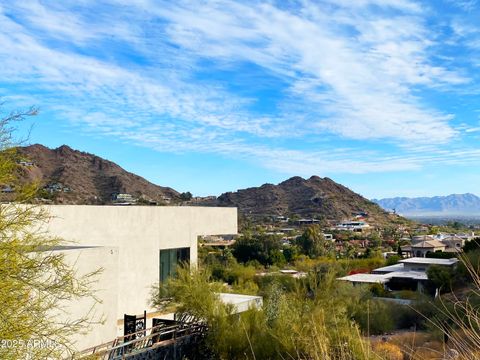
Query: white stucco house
[[136, 246]]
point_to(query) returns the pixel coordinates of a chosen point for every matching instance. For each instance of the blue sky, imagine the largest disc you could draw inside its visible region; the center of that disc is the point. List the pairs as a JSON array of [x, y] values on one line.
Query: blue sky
[[211, 96]]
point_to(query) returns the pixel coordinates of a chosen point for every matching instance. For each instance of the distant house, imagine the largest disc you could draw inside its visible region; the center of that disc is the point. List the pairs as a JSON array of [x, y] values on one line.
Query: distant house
[[420, 249], [123, 198], [56, 187], [282, 219], [307, 221], [453, 243], [357, 226], [218, 244], [466, 236], [407, 274], [7, 189], [328, 237], [420, 238], [360, 214], [422, 228]]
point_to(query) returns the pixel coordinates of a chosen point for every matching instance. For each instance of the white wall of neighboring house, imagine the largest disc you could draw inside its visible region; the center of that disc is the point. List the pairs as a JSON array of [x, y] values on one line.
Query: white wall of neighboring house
[[126, 242]]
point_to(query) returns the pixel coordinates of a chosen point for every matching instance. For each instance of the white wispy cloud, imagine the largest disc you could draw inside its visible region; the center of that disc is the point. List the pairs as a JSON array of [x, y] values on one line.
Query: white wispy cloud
[[466, 5], [352, 70], [361, 82]]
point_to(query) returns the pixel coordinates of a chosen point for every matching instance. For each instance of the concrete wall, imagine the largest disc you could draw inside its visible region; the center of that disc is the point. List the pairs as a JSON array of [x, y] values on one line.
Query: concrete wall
[[137, 233], [102, 317]]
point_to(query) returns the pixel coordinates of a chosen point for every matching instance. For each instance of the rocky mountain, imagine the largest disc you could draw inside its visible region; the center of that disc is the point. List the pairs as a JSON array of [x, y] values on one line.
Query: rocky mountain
[[69, 176], [73, 177], [452, 204], [314, 197]]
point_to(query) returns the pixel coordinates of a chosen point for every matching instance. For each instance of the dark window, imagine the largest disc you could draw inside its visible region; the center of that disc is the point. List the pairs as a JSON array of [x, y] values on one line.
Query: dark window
[[169, 259]]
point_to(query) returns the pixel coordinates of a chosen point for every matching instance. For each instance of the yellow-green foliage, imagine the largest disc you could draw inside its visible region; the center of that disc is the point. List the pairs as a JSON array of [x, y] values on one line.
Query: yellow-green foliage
[[388, 351], [290, 325], [341, 266], [34, 278]]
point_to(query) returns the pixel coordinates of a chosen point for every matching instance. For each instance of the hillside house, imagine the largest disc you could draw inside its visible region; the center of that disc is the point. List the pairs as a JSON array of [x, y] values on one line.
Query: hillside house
[[420, 238], [420, 249], [453, 243], [357, 226], [307, 221], [466, 236], [123, 198]]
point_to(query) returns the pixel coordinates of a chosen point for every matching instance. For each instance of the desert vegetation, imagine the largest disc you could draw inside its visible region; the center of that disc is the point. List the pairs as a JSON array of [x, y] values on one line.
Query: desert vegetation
[[318, 317], [35, 280]]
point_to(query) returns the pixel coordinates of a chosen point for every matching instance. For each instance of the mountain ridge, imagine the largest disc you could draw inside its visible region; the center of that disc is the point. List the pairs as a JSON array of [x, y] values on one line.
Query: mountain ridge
[[466, 203], [77, 177], [313, 197], [82, 178]]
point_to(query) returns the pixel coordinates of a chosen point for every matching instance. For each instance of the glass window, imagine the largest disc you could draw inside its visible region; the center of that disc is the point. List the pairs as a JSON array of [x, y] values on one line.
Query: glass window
[[169, 259]]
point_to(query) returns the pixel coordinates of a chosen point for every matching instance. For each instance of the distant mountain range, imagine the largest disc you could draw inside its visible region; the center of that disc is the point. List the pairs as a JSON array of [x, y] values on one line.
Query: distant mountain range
[[76, 177], [455, 204], [314, 197]]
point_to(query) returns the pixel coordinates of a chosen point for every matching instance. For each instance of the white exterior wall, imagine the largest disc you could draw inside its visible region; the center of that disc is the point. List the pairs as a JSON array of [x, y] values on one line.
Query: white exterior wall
[[137, 233], [102, 316]]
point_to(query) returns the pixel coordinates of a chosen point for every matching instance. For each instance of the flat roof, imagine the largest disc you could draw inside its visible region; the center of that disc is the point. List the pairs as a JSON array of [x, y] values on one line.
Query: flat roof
[[429, 261], [241, 302], [366, 278], [384, 278], [288, 271], [390, 268]]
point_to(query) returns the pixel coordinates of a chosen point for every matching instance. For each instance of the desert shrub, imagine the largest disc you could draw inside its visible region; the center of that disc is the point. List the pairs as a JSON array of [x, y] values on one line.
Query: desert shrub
[[457, 315], [378, 290], [287, 283], [374, 317], [291, 324], [392, 260], [388, 351], [245, 287], [291, 253]]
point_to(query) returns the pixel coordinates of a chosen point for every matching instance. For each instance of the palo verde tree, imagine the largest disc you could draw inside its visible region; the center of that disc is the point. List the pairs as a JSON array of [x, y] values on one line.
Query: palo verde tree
[[36, 283]]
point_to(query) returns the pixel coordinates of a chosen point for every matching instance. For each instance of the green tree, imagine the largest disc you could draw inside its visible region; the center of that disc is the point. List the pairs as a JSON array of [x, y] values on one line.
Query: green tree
[[350, 250], [472, 245], [290, 253], [186, 196], [35, 280], [260, 247], [441, 277], [375, 240], [313, 243]]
